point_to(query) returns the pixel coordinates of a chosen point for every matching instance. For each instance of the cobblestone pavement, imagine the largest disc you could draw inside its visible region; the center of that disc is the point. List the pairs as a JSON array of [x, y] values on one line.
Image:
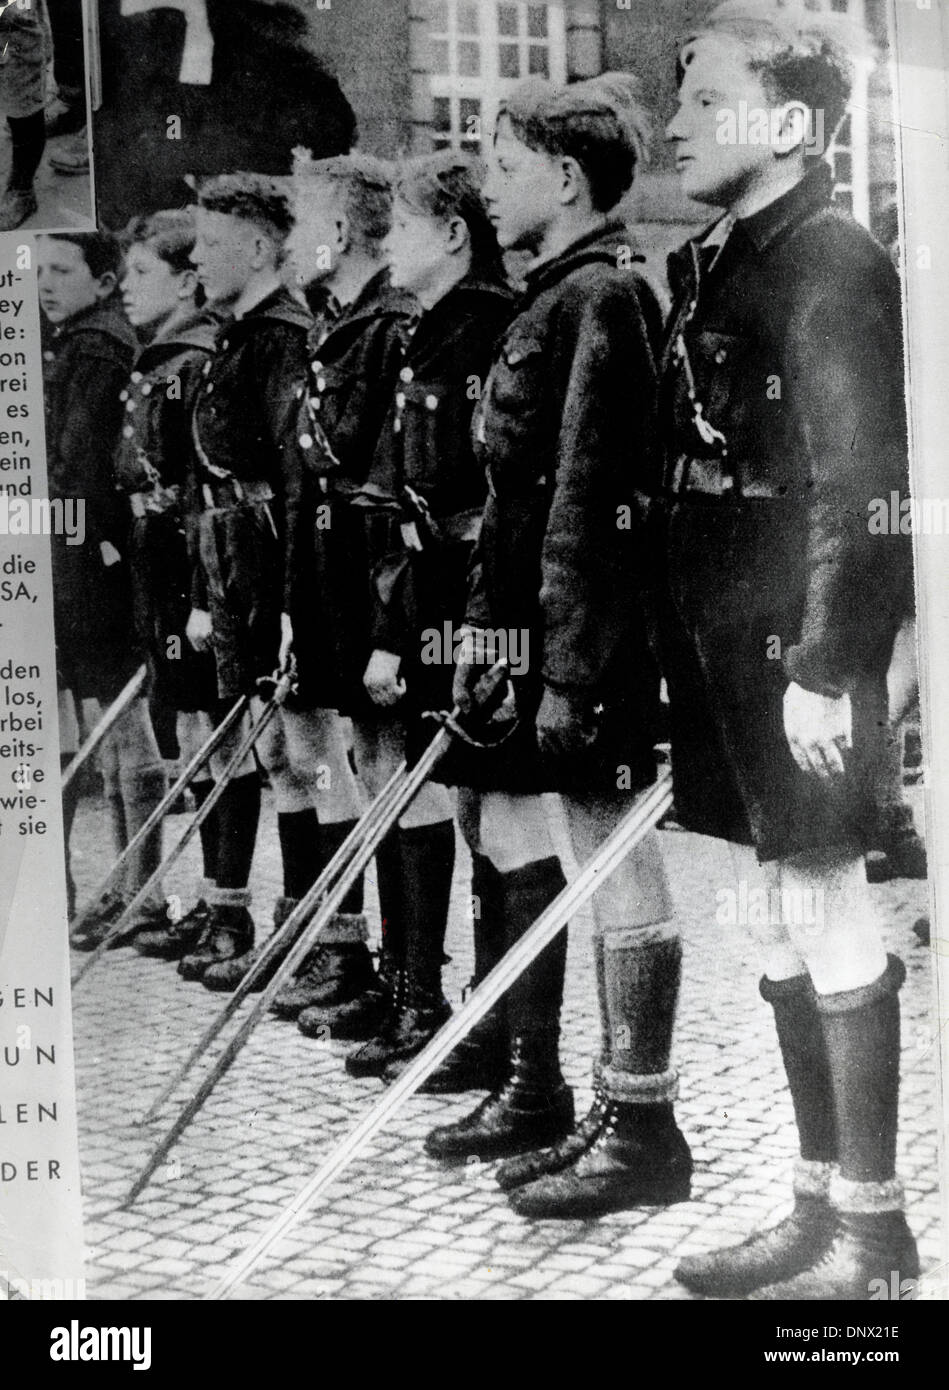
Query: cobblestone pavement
[[397, 1225], [64, 200]]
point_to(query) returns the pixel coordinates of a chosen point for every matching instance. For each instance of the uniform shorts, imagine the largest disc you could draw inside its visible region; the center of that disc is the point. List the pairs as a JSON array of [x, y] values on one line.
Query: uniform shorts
[[25, 50]]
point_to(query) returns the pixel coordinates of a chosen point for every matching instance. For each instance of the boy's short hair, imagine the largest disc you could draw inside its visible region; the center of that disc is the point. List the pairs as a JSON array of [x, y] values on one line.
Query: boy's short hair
[[101, 251], [601, 123], [449, 184], [800, 53], [170, 234], [366, 185], [254, 198]]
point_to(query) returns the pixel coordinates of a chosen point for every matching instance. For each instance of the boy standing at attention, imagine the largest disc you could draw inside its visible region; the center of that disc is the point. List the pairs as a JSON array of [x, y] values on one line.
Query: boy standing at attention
[[783, 417]]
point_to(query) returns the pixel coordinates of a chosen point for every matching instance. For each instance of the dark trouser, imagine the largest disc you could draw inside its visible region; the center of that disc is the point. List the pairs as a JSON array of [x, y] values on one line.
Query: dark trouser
[[65, 21]]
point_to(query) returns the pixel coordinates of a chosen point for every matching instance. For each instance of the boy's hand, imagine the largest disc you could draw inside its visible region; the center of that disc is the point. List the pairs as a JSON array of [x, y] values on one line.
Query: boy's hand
[[818, 731], [110, 556], [563, 726], [382, 678], [198, 630]]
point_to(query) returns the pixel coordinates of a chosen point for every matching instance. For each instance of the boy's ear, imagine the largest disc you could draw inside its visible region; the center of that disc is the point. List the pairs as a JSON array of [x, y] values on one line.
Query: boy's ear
[[187, 283], [105, 285], [344, 239], [457, 236], [792, 129], [573, 183]]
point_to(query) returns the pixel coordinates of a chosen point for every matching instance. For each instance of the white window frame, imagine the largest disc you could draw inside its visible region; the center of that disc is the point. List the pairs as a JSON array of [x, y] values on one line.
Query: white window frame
[[490, 87], [858, 146]]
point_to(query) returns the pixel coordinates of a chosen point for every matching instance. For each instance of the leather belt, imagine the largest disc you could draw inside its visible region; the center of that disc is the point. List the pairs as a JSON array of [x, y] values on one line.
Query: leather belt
[[222, 493], [710, 480]]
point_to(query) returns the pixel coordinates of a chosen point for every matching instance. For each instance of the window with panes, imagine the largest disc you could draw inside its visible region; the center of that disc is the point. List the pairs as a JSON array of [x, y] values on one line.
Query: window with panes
[[478, 50]]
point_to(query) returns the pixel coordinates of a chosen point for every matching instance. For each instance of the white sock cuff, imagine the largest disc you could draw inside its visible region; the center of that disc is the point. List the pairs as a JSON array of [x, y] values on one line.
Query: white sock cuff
[[865, 1198], [812, 1178]]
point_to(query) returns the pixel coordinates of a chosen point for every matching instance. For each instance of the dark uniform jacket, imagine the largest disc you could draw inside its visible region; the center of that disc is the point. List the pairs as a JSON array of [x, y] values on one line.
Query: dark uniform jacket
[[154, 468], [268, 92], [355, 358], [566, 434], [426, 463], [249, 481], [86, 362], [793, 351]]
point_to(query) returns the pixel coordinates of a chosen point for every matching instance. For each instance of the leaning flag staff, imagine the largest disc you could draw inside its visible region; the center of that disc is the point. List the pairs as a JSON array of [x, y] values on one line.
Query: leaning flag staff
[[284, 934], [212, 743], [112, 716], [648, 811], [369, 834], [284, 684]]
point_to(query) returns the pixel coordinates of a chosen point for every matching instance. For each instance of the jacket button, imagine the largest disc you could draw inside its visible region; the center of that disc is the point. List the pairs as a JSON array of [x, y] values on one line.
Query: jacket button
[[209, 388], [147, 389], [720, 356], [397, 426], [431, 402], [128, 431], [225, 345], [49, 355], [317, 367], [123, 395], [407, 375], [321, 383], [129, 405], [315, 402], [206, 368], [299, 393], [400, 399], [136, 377], [306, 441]]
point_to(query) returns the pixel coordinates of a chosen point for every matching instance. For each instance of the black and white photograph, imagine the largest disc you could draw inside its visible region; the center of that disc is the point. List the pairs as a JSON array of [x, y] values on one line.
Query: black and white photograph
[[495, 750], [44, 100]]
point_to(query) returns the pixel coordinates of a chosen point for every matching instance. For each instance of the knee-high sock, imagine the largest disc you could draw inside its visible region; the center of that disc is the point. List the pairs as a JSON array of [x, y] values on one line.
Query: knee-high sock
[[428, 864], [299, 850], [142, 789], [28, 140], [210, 831], [239, 813]]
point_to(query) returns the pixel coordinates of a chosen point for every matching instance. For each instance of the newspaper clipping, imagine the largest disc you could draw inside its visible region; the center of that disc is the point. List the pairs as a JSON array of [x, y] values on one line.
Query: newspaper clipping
[[472, 786]]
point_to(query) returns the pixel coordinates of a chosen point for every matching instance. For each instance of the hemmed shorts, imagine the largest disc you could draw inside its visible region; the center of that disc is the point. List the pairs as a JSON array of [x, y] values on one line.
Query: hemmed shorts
[[25, 51]]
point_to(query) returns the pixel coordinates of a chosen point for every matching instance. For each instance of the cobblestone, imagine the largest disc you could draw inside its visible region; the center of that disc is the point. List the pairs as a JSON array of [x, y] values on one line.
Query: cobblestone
[[398, 1226]]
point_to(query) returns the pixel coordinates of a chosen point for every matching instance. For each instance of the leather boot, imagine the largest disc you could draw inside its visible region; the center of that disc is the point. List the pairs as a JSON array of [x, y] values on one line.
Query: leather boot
[[861, 1030], [177, 938], [428, 863], [534, 1107], [225, 976], [639, 1157], [363, 1014], [229, 933], [338, 968], [525, 1168], [796, 1242], [480, 1061]]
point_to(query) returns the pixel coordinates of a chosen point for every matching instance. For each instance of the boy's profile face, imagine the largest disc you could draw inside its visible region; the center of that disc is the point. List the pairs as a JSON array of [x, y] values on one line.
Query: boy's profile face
[[226, 254], [415, 249], [65, 283], [522, 191], [717, 80], [151, 287], [313, 243]]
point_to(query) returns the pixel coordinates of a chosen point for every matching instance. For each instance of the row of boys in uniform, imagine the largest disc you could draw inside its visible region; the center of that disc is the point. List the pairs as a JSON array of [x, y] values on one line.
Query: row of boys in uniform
[[324, 484]]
